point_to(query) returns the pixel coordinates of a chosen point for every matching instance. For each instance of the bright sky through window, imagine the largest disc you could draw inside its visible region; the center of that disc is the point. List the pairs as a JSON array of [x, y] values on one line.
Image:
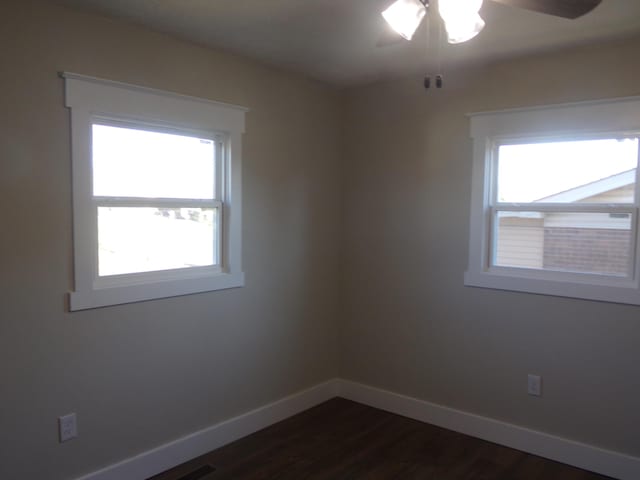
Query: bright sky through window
[[133, 240], [529, 172], [129, 162]]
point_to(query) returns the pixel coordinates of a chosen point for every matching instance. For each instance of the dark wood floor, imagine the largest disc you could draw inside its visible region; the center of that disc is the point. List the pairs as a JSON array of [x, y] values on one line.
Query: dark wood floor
[[341, 439]]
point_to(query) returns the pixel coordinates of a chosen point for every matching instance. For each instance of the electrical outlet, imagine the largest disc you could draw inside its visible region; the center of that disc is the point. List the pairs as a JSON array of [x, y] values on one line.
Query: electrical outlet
[[534, 385], [67, 427]]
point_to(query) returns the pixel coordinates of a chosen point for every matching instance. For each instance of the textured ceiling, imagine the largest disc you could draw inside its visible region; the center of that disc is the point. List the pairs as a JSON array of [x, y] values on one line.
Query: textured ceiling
[[338, 41]]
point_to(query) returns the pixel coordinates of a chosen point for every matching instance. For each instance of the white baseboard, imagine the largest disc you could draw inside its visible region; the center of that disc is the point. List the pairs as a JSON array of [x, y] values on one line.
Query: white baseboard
[[179, 451], [164, 457], [605, 462]]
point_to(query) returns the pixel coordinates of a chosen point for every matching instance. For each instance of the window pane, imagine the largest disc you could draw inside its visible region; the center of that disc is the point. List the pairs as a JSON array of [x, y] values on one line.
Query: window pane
[[128, 162], [569, 242], [586, 171], [134, 239]]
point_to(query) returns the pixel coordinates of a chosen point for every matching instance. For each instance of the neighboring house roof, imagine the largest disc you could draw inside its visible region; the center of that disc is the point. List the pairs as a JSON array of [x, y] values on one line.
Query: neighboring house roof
[[592, 189]]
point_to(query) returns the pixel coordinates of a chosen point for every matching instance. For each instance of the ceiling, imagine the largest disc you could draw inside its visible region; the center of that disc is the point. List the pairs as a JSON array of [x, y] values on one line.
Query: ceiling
[[338, 41]]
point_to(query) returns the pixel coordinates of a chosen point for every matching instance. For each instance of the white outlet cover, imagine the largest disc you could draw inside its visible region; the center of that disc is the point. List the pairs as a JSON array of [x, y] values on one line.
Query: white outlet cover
[[67, 427]]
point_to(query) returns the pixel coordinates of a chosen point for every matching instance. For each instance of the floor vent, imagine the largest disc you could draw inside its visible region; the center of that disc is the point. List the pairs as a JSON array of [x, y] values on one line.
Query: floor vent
[[199, 473]]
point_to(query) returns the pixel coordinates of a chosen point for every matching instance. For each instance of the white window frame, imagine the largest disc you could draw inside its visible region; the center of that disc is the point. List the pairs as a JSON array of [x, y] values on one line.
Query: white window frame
[[585, 120], [92, 100]]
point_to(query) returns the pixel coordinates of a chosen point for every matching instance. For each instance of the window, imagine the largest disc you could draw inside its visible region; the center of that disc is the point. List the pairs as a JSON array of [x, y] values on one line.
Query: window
[[565, 206], [554, 207], [156, 193]]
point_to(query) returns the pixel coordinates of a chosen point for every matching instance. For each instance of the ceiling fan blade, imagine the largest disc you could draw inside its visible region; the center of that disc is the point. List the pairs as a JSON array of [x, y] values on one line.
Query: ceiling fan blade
[[559, 8]]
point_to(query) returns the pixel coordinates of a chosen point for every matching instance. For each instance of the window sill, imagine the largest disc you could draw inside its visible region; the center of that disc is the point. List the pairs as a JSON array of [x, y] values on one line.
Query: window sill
[[625, 291], [117, 295]]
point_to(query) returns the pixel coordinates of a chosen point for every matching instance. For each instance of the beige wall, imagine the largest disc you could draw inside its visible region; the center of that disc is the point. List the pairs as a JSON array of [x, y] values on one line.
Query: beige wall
[[143, 374], [410, 325]]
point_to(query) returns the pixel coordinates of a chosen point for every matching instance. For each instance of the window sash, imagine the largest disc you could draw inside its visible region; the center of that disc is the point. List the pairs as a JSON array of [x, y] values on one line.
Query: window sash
[[567, 207], [549, 273], [148, 126], [156, 276], [156, 202], [497, 141], [137, 277], [220, 140]]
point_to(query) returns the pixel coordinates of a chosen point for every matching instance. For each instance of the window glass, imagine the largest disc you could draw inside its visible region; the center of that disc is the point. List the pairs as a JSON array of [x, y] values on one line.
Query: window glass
[[144, 239], [129, 162], [567, 172], [584, 242]]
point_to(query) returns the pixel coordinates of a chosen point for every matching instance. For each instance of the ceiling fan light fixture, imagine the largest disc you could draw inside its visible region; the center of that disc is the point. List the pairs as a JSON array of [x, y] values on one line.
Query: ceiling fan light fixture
[[461, 19], [464, 30], [405, 16]]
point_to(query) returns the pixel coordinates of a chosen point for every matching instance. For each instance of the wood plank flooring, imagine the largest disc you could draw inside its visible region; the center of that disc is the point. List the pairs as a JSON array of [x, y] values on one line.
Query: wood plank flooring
[[341, 439]]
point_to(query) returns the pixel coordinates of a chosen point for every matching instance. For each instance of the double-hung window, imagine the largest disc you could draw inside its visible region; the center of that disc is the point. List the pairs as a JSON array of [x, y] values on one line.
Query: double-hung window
[[156, 193], [555, 200]]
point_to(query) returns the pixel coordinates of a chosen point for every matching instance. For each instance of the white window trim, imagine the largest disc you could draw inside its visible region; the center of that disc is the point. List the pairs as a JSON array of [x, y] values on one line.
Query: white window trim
[[562, 122], [90, 98]]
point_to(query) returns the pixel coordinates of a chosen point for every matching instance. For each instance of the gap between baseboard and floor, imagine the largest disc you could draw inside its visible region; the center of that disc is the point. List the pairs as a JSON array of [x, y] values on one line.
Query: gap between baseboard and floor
[[164, 457]]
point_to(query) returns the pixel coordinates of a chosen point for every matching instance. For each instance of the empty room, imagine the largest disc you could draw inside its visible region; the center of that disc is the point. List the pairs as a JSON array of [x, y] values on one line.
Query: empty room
[[322, 239]]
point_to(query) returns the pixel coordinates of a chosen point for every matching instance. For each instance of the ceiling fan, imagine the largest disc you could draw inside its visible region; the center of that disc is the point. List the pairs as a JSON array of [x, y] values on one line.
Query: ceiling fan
[[462, 19]]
